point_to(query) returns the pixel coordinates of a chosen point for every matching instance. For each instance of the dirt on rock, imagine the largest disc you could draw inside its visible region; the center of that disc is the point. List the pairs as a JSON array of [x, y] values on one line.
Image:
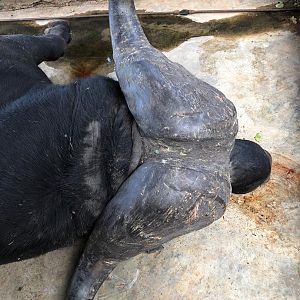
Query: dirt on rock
[[15, 4], [265, 205], [10, 5]]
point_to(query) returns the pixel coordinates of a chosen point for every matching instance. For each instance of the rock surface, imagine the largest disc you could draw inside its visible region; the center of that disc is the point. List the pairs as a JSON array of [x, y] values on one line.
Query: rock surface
[[13, 9]]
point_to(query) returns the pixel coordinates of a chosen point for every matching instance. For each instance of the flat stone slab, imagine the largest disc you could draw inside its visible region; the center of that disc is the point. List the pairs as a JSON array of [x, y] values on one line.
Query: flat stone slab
[[13, 9]]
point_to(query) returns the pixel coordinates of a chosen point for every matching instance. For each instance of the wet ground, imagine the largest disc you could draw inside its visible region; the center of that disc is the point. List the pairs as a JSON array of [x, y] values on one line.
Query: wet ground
[[90, 52], [253, 251]]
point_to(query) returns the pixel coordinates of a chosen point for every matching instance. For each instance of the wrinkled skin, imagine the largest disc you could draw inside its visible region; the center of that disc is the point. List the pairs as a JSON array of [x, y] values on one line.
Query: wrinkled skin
[[133, 172]]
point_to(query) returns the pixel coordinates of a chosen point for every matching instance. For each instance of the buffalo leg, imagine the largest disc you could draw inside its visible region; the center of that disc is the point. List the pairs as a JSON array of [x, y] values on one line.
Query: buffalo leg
[[20, 56], [47, 47]]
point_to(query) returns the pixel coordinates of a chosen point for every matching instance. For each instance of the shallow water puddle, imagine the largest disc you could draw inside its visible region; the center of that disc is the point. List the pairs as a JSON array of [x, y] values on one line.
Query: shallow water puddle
[[90, 51]]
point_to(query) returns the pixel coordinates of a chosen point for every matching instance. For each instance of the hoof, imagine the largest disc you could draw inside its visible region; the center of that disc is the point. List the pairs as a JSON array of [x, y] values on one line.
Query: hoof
[[60, 28]]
